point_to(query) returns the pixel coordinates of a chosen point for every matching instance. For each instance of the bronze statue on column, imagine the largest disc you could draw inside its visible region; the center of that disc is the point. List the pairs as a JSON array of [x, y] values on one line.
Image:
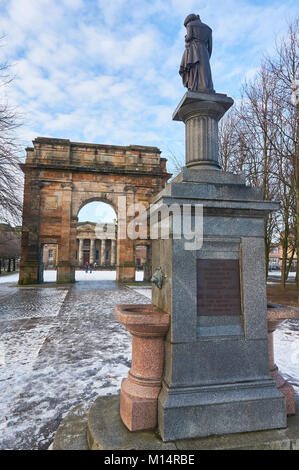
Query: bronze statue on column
[[195, 65]]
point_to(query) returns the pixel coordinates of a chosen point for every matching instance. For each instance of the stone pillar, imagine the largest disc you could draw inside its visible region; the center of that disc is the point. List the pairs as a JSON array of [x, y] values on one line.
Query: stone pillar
[[125, 266], [30, 249], [148, 264], [66, 265], [125, 271], [72, 247], [201, 112], [103, 246], [113, 252], [92, 251], [80, 252]]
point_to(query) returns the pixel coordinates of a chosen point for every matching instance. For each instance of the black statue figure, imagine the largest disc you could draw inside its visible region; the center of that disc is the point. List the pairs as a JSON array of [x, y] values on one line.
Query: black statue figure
[[195, 66]]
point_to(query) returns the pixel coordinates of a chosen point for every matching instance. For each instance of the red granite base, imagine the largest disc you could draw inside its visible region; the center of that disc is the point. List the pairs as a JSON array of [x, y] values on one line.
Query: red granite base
[[285, 388], [138, 411], [139, 392]]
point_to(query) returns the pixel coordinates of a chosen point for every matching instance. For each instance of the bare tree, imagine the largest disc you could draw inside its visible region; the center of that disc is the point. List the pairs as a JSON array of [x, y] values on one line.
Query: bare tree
[[284, 66], [261, 139], [229, 143], [10, 174], [253, 129], [10, 246]]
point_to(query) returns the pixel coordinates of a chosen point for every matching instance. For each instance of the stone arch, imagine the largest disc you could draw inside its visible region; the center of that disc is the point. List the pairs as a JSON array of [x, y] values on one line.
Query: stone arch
[[61, 177], [95, 244], [105, 198]]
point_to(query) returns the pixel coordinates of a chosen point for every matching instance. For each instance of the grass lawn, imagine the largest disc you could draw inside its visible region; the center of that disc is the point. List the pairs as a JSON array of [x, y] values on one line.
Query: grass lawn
[[288, 296]]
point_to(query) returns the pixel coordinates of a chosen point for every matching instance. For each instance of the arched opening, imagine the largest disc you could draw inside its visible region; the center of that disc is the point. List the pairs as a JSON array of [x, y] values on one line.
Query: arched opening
[[96, 241], [48, 262], [142, 262]]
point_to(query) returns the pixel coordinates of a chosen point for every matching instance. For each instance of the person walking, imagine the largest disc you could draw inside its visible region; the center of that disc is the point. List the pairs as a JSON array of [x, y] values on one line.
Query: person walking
[[86, 267]]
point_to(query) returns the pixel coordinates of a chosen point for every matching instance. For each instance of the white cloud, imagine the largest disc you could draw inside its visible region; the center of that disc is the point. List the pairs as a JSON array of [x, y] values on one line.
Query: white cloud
[[73, 4], [107, 72]]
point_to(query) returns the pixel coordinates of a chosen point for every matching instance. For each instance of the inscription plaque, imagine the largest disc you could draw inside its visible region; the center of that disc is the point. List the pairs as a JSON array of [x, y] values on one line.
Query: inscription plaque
[[218, 287]]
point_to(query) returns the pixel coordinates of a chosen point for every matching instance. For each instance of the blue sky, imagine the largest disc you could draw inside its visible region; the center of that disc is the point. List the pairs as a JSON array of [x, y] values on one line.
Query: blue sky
[[107, 71], [97, 212]]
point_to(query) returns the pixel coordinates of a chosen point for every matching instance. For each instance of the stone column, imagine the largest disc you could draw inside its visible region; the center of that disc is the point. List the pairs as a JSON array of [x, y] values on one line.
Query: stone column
[[66, 268], [125, 265], [125, 270], [80, 253], [30, 249], [92, 251], [72, 247], [113, 252], [201, 112], [148, 264], [103, 246]]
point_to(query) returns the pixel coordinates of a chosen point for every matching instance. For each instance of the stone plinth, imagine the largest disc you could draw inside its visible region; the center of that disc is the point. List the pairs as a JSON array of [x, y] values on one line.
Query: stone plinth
[[216, 376], [201, 112], [217, 379], [101, 428], [139, 392]]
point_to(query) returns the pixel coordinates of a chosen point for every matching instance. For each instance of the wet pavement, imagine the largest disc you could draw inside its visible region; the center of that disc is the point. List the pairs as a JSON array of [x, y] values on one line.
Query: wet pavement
[[59, 347], [62, 346]]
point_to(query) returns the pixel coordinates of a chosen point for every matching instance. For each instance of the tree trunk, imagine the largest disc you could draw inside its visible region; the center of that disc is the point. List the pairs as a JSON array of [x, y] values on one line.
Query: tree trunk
[[284, 259]]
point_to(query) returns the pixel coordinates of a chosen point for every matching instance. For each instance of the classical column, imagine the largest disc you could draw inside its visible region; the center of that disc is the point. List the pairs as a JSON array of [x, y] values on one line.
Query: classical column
[[92, 251], [103, 246], [148, 264], [113, 252], [201, 112], [80, 252]]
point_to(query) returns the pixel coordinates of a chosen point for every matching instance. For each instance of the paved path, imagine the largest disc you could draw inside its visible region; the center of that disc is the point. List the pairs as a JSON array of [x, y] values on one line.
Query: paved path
[[59, 347]]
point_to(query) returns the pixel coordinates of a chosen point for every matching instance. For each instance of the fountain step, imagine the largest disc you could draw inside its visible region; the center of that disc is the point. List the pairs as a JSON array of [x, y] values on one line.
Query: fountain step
[[106, 431], [72, 431]]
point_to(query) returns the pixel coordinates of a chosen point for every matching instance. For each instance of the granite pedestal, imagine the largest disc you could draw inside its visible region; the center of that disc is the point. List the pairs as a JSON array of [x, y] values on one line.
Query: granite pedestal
[[216, 378], [139, 392]]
